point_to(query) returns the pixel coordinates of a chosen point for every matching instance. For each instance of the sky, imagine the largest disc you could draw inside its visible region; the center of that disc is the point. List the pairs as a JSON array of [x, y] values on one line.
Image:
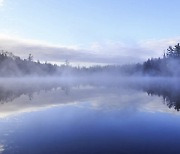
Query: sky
[[89, 31]]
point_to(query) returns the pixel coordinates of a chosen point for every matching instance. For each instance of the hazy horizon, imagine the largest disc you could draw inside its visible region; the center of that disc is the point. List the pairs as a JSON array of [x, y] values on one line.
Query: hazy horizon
[[127, 103], [88, 32]]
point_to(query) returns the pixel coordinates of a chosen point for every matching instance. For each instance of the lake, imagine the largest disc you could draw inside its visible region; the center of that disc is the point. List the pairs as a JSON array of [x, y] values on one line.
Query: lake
[[138, 116]]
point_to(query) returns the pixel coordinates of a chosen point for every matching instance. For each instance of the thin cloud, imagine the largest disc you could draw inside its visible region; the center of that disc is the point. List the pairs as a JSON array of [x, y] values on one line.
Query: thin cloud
[[107, 52], [1, 2]]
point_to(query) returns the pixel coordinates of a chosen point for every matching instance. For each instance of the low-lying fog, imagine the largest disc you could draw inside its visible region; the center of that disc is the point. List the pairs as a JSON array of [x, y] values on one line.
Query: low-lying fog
[[154, 94], [89, 115]]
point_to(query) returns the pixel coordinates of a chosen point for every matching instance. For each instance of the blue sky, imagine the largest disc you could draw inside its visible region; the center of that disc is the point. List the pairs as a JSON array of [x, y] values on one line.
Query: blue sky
[[87, 26]]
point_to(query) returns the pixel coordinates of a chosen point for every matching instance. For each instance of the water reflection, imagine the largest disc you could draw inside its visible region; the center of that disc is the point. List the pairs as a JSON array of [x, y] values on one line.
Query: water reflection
[[104, 95], [17, 88], [88, 117], [169, 91]]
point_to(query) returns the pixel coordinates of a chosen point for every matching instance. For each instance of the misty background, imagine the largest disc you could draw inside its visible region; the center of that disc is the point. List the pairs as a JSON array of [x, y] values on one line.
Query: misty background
[[88, 33]]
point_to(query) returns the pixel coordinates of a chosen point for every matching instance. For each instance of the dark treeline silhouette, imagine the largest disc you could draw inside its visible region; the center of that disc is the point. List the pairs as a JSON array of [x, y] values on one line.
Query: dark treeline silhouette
[[11, 65], [166, 66]]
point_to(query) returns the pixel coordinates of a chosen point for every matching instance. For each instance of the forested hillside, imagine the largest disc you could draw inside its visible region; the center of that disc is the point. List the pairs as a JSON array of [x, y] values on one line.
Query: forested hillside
[[168, 65]]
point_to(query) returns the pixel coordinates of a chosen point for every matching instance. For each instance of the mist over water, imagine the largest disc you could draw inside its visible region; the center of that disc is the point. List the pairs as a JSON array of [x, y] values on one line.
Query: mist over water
[[89, 77], [57, 91], [95, 114]]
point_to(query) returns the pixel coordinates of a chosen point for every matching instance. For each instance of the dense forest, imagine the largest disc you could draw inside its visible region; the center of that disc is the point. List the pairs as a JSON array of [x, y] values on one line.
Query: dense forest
[[168, 65], [11, 65]]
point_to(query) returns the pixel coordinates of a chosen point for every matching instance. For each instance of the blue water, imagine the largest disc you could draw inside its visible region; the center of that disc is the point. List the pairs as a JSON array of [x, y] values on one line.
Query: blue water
[[89, 120]]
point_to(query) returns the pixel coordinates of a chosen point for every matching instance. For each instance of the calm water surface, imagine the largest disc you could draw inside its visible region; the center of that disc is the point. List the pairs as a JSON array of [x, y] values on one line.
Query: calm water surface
[[89, 118]]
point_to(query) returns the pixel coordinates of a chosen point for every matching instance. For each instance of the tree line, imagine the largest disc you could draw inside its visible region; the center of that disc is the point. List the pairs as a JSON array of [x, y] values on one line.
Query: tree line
[[168, 65]]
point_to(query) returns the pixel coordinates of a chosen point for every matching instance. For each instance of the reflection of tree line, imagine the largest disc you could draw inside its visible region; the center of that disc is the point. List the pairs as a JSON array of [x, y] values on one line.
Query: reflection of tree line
[[169, 92], [10, 94]]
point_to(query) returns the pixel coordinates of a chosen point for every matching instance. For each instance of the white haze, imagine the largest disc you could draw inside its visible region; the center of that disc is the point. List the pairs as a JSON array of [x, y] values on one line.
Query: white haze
[[108, 52], [21, 95]]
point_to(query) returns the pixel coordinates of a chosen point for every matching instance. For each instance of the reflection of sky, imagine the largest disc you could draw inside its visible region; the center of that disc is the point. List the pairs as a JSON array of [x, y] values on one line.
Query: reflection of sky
[[85, 130], [99, 98], [87, 119]]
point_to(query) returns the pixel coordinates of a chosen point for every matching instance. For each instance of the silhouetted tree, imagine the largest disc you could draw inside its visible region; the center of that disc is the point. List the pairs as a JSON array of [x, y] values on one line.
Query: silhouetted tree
[[30, 57]]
